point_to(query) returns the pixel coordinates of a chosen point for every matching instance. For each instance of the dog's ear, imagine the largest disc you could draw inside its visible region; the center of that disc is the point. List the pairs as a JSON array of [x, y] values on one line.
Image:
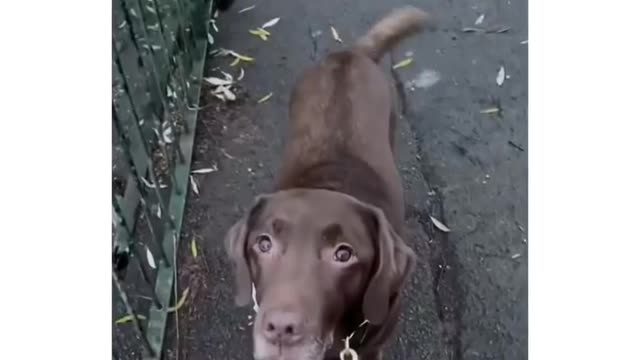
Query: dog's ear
[[235, 242], [393, 264]]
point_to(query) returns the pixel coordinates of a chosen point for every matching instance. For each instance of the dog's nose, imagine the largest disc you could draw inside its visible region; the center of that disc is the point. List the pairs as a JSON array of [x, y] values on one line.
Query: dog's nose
[[282, 327]]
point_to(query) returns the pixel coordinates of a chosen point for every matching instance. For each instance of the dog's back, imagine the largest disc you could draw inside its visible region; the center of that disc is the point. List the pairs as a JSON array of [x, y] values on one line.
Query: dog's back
[[340, 133]]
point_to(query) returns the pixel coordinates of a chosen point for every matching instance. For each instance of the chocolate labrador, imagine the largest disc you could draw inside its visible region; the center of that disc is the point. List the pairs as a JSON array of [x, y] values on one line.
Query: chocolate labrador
[[325, 250]]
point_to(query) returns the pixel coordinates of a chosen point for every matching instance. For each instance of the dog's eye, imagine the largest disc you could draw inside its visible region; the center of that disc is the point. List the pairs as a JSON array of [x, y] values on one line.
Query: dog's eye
[[343, 253], [264, 243]]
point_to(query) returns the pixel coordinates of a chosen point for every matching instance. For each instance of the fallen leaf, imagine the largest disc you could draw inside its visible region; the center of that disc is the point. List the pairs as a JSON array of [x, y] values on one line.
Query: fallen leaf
[[524, 42], [167, 135], [242, 57], [500, 76], [216, 13], [150, 259], [241, 76], [439, 225], [203, 171], [213, 25], [171, 93], [499, 30], [210, 38], [151, 9], [235, 62], [158, 211], [227, 76], [480, 19], [194, 185], [217, 81], [181, 302], [336, 36], [246, 9], [147, 183], [472, 29], [265, 98], [226, 154], [194, 248], [403, 63], [271, 23], [122, 25], [228, 94], [128, 318], [261, 33], [492, 110], [515, 256]]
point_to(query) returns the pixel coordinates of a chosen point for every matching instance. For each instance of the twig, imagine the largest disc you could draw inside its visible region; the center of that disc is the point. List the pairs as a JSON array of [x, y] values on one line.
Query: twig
[[314, 42], [515, 145]]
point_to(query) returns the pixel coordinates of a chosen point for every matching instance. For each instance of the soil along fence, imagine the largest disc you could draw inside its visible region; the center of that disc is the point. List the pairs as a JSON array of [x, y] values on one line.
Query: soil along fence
[[158, 51]]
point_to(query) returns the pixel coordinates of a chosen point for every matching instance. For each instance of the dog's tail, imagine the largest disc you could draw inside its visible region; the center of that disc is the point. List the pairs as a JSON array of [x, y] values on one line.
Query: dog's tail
[[390, 30]]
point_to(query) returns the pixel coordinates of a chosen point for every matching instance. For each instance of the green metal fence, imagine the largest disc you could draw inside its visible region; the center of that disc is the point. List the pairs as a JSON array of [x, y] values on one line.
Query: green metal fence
[[158, 51]]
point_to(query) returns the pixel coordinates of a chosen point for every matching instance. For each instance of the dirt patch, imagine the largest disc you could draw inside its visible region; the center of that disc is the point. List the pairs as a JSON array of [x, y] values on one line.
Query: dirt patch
[[223, 135]]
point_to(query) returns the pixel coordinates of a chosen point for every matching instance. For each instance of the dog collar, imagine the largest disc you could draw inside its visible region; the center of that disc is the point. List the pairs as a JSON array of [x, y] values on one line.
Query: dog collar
[[348, 353]]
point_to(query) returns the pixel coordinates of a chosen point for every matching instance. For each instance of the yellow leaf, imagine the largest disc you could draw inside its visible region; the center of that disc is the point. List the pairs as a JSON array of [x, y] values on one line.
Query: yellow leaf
[[181, 302], [128, 318], [194, 248], [235, 62], [242, 57], [265, 98], [403, 63], [261, 33]]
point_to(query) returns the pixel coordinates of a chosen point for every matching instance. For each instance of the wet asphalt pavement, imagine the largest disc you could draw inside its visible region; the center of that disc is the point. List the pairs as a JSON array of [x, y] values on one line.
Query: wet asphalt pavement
[[462, 151]]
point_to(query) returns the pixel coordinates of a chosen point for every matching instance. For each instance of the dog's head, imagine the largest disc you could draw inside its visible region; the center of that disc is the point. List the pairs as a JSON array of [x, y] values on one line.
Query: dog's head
[[314, 256]]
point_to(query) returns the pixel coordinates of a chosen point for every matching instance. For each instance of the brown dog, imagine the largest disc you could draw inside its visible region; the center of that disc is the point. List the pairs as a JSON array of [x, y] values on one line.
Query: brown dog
[[325, 250]]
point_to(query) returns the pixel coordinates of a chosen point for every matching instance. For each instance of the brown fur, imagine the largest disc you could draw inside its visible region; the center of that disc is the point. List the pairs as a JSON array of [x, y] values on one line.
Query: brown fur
[[338, 184]]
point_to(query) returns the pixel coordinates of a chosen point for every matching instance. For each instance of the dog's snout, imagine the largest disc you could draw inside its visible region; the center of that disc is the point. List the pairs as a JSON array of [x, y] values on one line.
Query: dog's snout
[[282, 327]]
